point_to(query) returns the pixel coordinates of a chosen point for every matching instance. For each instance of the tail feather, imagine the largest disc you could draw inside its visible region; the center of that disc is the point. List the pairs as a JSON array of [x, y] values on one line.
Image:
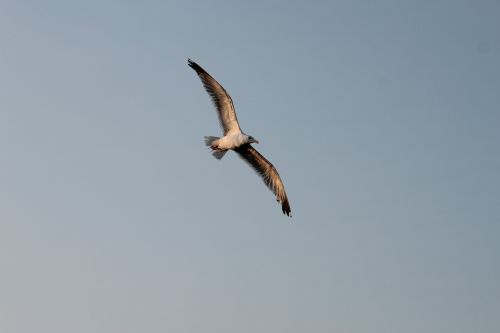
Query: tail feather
[[210, 139], [218, 154]]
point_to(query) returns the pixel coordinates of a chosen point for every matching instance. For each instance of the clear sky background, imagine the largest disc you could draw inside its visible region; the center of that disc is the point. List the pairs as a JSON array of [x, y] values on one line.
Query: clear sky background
[[382, 117]]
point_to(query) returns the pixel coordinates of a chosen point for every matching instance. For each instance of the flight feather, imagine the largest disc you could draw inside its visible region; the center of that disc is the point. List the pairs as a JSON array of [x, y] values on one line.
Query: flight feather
[[267, 172], [220, 98]]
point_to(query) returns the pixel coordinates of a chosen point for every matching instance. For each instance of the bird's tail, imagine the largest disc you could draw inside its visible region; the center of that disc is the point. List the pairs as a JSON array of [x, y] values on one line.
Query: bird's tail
[[210, 139], [218, 154]]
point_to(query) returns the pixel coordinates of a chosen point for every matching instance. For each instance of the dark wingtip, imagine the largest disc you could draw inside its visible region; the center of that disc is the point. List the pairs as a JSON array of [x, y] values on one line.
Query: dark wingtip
[[195, 66], [285, 207]]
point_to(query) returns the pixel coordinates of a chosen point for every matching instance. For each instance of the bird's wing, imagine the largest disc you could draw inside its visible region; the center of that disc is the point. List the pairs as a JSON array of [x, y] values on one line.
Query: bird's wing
[[268, 173], [220, 98]]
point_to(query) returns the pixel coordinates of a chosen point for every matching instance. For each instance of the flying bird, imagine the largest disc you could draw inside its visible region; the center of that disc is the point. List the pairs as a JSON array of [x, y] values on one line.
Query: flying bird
[[235, 139]]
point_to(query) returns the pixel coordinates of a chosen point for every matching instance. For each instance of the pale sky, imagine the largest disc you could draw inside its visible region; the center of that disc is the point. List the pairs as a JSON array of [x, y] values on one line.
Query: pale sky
[[382, 118]]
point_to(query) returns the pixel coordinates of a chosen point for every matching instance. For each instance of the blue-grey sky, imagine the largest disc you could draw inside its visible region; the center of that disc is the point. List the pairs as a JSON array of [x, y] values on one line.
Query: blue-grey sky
[[382, 117]]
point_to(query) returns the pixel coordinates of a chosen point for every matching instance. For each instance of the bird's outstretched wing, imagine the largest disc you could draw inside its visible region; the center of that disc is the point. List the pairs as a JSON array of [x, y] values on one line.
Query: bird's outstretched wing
[[221, 99], [268, 173]]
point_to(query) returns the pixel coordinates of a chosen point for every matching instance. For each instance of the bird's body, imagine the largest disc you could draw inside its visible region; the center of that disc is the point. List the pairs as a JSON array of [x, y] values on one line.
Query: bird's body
[[230, 141], [234, 138]]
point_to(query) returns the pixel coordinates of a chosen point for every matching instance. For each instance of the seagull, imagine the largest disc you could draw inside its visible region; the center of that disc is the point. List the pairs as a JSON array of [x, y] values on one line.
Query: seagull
[[235, 139]]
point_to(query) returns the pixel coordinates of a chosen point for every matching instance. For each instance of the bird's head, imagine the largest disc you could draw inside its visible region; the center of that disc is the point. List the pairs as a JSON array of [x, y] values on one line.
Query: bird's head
[[251, 139]]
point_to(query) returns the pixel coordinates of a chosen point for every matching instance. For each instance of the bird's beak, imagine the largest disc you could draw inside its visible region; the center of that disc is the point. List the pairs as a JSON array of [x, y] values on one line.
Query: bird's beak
[[255, 141]]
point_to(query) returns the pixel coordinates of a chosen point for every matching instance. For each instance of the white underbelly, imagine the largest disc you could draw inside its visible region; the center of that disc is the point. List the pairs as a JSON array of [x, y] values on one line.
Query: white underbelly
[[231, 141]]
